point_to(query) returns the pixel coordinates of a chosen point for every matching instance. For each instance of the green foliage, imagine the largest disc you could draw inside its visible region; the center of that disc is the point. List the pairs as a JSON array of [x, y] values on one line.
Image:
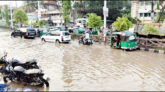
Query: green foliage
[[66, 9], [162, 17], [34, 24], [149, 29], [26, 22], [94, 20], [5, 15], [41, 23], [133, 20], [122, 23], [20, 16], [157, 6]]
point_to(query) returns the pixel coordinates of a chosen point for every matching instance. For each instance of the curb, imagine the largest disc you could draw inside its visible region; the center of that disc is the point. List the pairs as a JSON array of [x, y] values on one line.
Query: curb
[[153, 50]]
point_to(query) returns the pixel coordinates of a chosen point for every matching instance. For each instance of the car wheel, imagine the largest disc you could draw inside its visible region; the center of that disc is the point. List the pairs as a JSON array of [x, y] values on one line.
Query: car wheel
[[58, 41], [43, 39]]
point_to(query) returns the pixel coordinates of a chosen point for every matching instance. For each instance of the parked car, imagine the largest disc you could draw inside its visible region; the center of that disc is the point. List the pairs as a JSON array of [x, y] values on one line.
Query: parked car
[[57, 36], [28, 32], [16, 33]]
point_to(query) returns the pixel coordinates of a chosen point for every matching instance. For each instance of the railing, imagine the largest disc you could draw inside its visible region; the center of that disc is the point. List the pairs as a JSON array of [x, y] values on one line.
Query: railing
[[153, 43]]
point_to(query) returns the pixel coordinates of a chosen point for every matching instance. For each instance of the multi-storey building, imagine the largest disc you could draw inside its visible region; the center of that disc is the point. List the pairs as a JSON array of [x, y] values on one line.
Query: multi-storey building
[[142, 10], [51, 13]]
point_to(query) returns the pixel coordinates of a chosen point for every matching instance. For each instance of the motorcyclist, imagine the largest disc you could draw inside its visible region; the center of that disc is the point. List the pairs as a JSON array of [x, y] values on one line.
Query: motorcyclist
[[87, 35]]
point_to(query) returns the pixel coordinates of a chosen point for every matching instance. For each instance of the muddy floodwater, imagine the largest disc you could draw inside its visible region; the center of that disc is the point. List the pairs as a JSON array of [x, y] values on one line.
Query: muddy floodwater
[[74, 67]]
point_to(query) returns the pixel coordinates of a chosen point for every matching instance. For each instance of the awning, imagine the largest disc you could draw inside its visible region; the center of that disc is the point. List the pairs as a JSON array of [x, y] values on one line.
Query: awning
[[144, 11]]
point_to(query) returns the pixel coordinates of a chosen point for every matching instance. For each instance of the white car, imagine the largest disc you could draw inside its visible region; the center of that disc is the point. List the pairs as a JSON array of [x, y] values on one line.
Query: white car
[[57, 36]]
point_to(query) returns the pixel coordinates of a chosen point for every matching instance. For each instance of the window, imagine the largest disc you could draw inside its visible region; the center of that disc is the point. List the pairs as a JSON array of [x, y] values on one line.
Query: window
[[56, 34], [131, 38], [154, 13], [66, 34], [142, 3], [141, 14], [148, 2], [147, 14]]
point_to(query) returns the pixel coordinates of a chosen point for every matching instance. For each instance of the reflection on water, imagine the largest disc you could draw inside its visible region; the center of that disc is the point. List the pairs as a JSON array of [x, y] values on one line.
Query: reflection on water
[[73, 67]]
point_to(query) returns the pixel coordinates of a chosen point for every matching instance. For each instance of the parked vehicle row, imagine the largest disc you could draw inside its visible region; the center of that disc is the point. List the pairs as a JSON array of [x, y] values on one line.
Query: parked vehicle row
[[124, 40]]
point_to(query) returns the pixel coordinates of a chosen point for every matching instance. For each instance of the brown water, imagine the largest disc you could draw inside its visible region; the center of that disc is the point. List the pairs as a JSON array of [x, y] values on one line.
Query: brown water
[[74, 67]]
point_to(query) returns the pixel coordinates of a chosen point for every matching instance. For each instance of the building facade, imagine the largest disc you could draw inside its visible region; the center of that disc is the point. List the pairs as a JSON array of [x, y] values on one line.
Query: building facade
[[51, 13], [142, 10]]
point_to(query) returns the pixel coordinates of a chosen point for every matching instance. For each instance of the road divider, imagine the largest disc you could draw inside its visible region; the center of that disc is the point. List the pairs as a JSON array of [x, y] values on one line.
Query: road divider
[[153, 50]]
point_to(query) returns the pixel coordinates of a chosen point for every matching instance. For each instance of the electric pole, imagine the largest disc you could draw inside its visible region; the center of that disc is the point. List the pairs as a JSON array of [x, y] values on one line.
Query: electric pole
[[39, 13], [105, 13], [11, 16]]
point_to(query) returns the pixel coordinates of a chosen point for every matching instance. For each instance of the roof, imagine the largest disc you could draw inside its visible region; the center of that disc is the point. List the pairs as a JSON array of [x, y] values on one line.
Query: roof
[[124, 33]]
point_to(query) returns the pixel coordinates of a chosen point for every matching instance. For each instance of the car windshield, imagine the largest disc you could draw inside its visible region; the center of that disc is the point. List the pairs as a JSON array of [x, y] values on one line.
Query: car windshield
[[131, 38], [66, 34], [31, 30], [16, 31]]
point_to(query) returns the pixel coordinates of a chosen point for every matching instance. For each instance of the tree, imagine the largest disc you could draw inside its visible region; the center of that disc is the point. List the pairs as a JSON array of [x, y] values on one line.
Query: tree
[[133, 20], [94, 20], [5, 15], [66, 9], [20, 16], [161, 8], [41, 23], [122, 23], [34, 24], [149, 29]]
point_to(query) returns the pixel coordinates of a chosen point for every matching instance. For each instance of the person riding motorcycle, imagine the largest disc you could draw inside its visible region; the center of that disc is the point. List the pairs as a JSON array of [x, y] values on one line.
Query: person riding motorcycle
[[87, 36]]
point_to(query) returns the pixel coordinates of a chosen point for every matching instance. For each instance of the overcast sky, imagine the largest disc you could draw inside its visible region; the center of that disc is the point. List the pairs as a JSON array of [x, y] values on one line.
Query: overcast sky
[[12, 3]]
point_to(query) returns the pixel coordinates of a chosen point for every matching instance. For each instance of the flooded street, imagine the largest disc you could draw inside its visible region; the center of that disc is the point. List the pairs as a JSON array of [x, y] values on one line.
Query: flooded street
[[74, 67]]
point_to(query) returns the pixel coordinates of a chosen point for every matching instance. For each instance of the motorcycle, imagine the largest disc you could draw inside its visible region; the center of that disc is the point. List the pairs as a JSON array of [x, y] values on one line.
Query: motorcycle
[[30, 64], [85, 41], [32, 76]]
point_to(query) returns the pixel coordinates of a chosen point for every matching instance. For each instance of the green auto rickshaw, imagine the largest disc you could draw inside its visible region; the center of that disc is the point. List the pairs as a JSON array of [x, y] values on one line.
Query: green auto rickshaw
[[123, 40]]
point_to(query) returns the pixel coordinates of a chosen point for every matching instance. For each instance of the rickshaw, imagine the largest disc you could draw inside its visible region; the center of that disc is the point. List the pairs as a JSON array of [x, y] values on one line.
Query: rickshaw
[[43, 31], [123, 40]]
